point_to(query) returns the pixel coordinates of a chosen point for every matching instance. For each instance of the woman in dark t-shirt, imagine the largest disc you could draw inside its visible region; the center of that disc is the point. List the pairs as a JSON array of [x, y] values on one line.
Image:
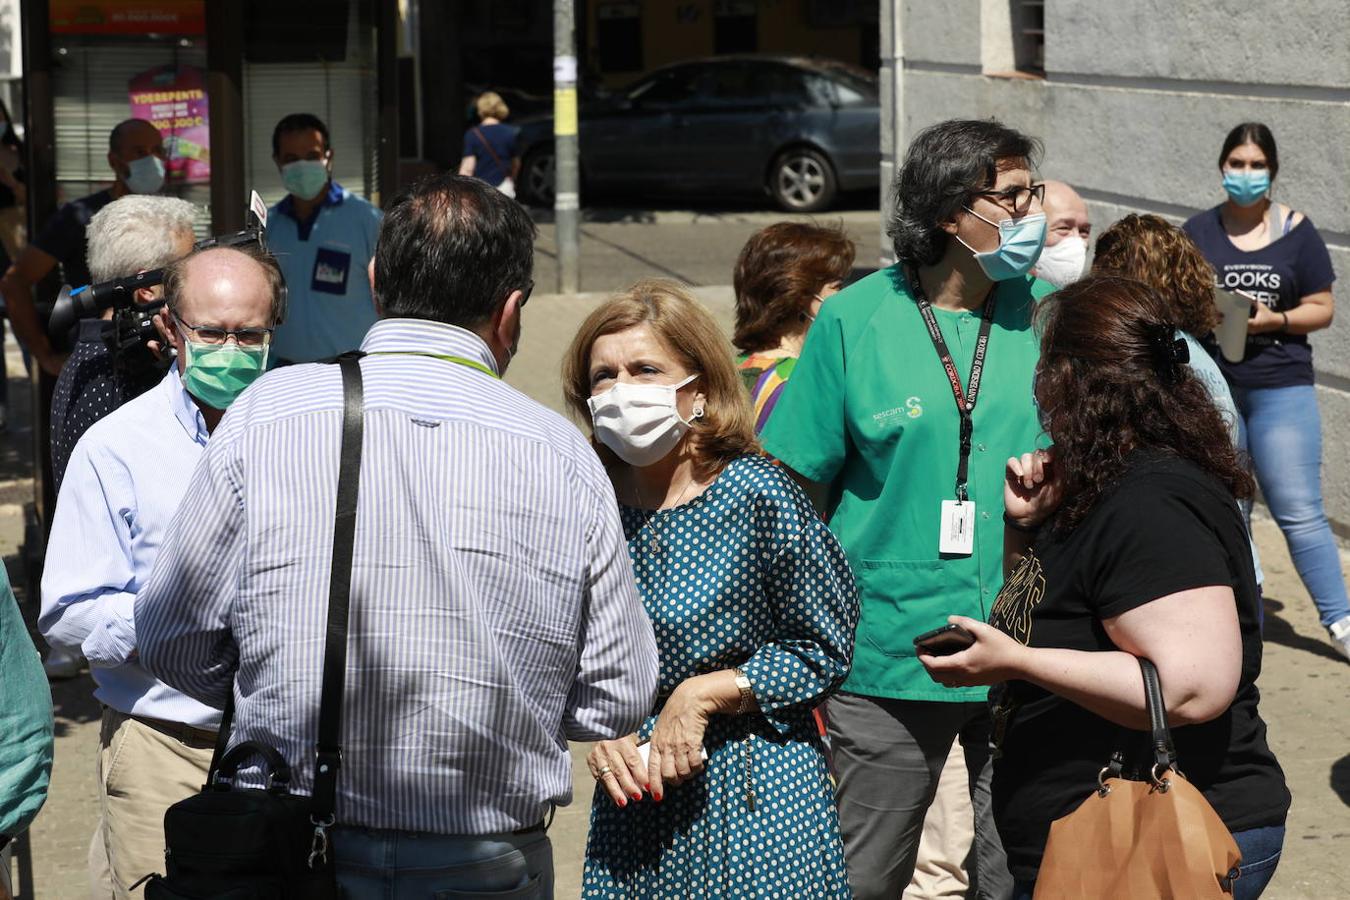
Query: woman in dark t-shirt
[[1275, 256], [1125, 542], [490, 150]]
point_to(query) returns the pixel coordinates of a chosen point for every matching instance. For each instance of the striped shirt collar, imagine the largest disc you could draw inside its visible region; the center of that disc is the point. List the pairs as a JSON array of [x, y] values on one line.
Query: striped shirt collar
[[425, 336]]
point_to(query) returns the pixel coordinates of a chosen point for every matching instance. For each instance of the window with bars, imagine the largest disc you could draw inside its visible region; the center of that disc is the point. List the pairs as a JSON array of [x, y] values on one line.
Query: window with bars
[[1029, 37]]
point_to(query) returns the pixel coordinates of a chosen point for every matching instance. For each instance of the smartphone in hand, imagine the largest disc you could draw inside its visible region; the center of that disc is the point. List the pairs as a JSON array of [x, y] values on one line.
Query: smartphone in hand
[[944, 641]]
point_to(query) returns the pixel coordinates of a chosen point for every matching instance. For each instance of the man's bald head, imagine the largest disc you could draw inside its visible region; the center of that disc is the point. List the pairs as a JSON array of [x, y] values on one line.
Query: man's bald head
[[133, 132], [209, 286], [1066, 213]]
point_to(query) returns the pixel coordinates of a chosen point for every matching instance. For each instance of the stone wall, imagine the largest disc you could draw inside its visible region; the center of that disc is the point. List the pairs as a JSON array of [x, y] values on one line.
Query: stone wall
[[1136, 100]]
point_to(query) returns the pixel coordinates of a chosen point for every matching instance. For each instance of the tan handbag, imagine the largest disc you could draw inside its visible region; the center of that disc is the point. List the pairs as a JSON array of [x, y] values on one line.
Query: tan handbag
[[1140, 839]]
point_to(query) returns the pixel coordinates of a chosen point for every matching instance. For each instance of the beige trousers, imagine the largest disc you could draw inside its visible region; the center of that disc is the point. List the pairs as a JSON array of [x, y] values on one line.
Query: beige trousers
[[143, 769], [948, 830]]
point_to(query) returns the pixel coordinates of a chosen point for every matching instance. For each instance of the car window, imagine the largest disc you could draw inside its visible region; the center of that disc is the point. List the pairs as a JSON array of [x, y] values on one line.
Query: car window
[[782, 85], [673, 87], [729, 84]]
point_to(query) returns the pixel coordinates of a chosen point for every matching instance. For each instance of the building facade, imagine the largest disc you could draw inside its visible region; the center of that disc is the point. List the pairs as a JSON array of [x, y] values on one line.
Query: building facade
[[1133, 101]]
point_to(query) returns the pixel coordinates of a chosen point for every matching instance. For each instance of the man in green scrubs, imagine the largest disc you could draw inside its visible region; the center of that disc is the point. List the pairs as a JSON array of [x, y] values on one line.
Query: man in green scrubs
[[878, 419]]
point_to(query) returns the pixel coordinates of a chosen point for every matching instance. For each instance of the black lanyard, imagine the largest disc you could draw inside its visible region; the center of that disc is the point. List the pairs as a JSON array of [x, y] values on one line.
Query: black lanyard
[[965, 400]]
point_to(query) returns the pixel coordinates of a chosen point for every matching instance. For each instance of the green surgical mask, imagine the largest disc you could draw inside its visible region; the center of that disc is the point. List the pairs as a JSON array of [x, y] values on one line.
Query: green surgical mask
[[217, 373]]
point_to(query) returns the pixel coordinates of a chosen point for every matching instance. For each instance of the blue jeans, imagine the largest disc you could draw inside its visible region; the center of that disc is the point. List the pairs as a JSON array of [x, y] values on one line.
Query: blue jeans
[[402, 865], [1282, 430], [1260, 849]]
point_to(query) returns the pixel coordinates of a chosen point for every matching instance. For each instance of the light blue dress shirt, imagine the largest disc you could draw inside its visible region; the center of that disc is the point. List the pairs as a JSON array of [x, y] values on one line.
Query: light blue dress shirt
[[329, 307], [122, 486], [494, 614]]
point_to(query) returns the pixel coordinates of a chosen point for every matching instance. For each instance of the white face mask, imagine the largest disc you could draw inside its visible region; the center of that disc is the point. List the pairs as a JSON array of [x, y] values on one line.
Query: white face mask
[[641, 423], [1062, 264]]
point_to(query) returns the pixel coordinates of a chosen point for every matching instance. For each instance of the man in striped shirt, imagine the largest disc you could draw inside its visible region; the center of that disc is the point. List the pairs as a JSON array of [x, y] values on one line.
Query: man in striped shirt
[[493, 611]]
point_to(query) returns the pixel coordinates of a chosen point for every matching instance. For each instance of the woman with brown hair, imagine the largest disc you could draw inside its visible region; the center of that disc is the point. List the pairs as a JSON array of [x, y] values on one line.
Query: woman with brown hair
[[1123, 542], [783, 275], [754, 608]]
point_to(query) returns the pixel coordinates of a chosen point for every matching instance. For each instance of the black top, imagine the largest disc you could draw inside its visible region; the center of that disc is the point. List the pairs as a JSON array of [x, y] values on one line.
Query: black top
[[1280, 275], [91, 385], [493, 146], [63, 236], [1167, 526]]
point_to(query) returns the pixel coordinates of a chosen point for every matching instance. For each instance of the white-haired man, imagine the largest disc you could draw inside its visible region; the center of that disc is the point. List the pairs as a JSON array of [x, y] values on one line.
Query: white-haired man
[[1067, 230], [124, 482]]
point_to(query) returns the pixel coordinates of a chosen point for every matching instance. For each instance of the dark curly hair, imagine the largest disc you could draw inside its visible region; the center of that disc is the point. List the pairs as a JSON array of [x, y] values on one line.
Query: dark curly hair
[[944, 166], [1152, 250], [1103, 393], [780, 270]]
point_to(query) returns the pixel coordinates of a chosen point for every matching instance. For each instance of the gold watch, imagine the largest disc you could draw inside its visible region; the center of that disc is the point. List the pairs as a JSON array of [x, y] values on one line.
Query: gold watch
[[747, 695]]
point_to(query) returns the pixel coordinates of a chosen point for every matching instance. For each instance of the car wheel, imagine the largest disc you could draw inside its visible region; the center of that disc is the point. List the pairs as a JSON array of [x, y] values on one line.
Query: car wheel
[[537, 176], [802, 180]]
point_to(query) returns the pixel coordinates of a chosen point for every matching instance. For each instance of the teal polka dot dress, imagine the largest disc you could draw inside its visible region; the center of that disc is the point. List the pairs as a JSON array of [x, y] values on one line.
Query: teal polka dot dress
[[744, 575]]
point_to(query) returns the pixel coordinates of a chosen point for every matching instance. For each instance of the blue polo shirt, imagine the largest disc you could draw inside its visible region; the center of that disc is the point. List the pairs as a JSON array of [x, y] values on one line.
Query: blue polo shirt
[[328, 307]]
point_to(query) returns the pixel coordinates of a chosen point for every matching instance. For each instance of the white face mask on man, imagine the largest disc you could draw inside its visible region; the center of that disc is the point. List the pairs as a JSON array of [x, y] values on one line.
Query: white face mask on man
[[641, 423], [1062, 264]]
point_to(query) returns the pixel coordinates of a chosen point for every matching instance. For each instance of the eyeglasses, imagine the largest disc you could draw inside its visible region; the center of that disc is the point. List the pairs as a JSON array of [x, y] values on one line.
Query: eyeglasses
[[244, 337], [525, 295], [1015, 197]]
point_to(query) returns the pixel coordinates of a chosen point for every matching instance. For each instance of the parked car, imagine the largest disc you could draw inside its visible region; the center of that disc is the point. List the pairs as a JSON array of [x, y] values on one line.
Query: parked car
[[799, 129]]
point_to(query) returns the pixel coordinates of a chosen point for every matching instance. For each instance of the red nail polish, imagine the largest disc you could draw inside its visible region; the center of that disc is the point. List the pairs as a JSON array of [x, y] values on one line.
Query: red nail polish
[[657, 798], [637, 796], [622, 803]]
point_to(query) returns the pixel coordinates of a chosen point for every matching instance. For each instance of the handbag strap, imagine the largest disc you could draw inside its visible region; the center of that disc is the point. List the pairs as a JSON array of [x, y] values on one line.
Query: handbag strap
[[328, 750], [493, 153], [1164, 752]]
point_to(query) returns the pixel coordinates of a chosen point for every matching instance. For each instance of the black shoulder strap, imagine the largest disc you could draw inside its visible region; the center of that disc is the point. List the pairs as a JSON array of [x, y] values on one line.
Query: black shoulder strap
[[328, 751], [329, 748]]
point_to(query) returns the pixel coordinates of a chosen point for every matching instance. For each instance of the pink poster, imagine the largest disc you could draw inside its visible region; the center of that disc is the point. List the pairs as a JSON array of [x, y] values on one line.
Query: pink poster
[[173, 99]]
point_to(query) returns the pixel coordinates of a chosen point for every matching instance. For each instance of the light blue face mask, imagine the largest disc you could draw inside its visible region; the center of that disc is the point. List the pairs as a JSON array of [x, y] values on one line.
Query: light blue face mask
[[1020, 242], [145, 175], [305, 178], [1246, 188]]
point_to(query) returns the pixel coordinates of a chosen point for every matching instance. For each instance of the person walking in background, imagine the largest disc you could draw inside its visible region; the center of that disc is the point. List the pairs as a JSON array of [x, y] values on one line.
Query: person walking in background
[[493, 613], [1068, 229], [913, 385], [324, 238], [13, 223], [490, 148], [754, 608], [26, 728], [1275, 255], [783, 275], [1126, 543]]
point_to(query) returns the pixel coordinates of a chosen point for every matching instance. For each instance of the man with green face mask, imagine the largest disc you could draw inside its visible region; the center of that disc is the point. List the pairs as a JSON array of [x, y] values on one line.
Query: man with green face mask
[[125, 479], [324, 237]]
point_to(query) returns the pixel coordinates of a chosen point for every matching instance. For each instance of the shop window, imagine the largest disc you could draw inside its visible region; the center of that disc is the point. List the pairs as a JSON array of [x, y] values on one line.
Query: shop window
[[735, 27], [618, 37], [326, 68]]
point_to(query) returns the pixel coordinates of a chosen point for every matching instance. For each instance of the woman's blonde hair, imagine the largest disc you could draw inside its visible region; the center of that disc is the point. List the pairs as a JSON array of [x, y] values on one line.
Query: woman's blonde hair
[[727, 429], [491, 105]]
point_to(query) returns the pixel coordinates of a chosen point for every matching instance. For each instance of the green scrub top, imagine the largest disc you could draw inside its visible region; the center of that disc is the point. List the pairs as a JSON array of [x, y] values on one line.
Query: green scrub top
[[869, 411]]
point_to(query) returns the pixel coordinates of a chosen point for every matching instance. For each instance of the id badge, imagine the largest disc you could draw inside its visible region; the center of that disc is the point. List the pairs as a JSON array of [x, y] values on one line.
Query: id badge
[[331, 267], [957, 537]]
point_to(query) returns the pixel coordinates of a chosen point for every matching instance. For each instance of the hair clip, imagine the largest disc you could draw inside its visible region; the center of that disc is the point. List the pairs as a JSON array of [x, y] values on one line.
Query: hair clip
[[1169, 352]]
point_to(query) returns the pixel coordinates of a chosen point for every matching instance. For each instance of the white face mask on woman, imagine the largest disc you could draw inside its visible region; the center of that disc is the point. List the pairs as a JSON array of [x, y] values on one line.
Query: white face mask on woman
[[641, 423]]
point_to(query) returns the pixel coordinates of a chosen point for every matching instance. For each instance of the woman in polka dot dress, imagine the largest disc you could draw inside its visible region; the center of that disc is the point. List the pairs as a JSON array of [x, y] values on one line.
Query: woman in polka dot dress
[[754, 608]]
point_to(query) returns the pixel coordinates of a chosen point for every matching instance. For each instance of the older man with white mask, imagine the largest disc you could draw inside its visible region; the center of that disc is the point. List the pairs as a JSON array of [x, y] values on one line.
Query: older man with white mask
[[1064, 259]]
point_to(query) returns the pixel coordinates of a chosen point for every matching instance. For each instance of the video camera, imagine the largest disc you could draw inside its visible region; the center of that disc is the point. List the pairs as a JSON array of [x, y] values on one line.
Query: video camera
[[134, 321]]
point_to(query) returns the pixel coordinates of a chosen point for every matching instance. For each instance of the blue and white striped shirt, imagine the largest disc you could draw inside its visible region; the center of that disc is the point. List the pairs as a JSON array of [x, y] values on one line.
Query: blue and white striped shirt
[[493, 614]]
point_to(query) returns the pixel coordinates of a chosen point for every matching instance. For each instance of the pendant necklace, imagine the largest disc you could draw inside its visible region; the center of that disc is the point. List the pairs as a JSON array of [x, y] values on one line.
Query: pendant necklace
[[653, 538]]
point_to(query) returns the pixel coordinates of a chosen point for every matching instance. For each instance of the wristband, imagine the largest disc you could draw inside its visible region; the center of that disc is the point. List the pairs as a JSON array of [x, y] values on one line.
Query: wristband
[[1286, 320], [1018, 526]]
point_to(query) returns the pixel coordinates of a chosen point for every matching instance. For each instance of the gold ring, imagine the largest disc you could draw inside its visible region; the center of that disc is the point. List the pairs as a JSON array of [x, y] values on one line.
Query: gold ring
[[603, 772]]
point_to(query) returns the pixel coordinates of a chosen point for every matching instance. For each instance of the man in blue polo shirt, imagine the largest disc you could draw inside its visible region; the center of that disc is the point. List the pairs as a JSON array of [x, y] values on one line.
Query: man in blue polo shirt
[[324, 237]]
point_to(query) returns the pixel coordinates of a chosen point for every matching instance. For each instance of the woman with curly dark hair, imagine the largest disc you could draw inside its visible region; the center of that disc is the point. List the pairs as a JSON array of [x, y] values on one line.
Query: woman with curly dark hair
[[783, 275], [1123, 542]]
